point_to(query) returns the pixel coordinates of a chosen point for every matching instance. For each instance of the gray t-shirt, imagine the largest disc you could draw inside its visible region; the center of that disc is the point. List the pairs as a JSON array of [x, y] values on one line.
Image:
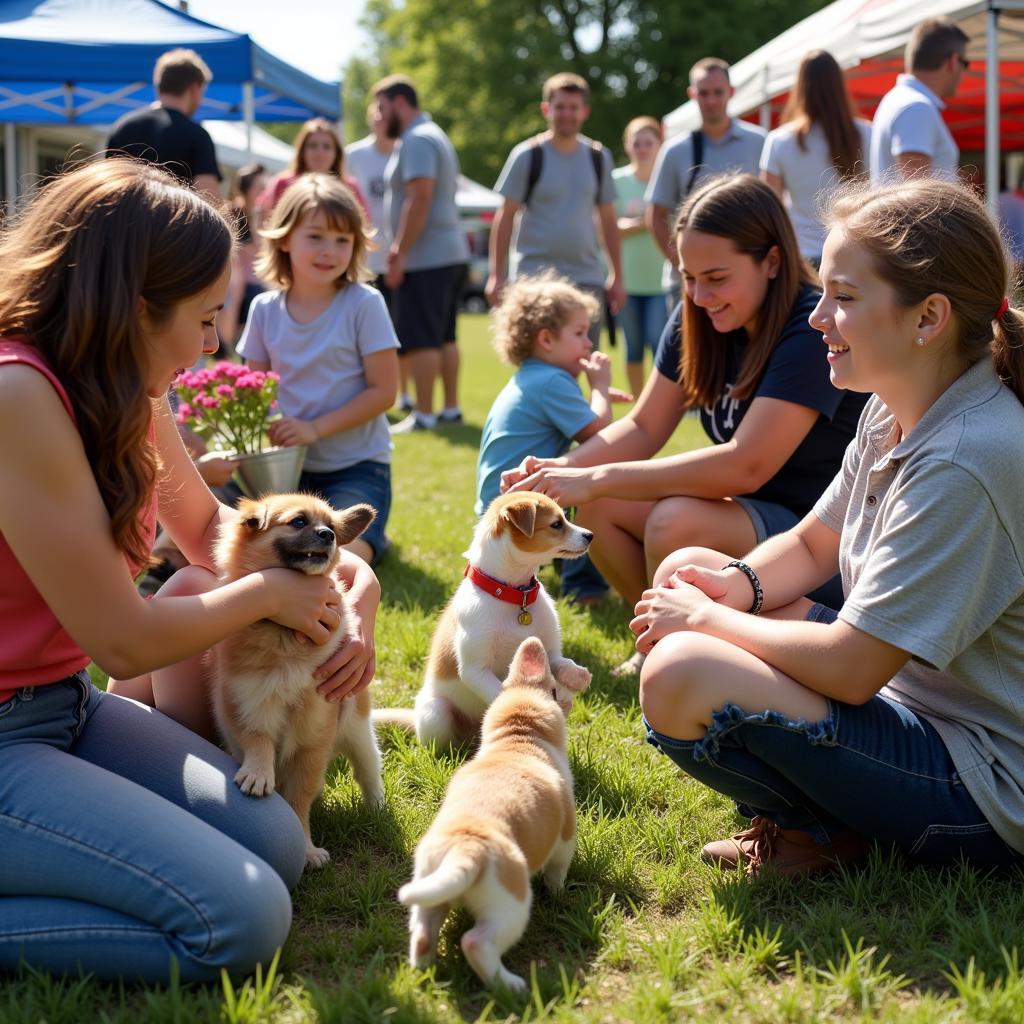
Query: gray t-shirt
[[367, 164], [426, 152], [932, 561], [558, 228], [805, 174], [738, 151], [321, 366]]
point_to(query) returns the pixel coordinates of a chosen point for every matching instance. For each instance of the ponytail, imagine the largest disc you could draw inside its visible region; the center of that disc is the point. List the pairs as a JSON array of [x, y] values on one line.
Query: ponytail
[[1008, 350]]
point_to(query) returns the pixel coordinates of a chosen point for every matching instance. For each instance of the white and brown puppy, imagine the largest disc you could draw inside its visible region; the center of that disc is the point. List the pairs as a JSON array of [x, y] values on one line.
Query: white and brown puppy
[[265, 702], [507, 813], [499, 603]]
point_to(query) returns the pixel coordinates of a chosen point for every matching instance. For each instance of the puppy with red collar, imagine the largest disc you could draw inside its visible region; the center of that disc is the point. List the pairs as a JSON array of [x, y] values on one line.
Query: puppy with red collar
[[499, 603]]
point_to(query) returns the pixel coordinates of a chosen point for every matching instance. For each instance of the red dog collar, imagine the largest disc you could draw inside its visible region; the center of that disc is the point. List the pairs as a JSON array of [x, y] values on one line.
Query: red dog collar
[[522, 596]]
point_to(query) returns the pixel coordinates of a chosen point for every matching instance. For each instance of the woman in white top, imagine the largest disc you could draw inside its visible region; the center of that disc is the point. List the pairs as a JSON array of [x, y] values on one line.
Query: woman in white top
[[818, 142]]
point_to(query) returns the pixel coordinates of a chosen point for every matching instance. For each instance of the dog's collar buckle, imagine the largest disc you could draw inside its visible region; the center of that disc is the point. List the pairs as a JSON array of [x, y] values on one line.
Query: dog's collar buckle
[[522, 596]]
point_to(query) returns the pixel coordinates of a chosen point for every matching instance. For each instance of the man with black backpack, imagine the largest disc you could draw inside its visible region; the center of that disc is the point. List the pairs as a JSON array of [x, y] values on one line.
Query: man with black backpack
[[721, 144], [552, 184]]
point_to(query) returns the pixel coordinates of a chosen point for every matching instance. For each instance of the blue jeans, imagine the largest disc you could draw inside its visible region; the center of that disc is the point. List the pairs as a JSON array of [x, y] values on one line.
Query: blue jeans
[[365, 481], [876, 768], [125, 843], [642, 319]]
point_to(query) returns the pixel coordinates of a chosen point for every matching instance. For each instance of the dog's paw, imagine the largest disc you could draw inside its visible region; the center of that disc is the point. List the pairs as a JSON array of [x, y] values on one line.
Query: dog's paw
[[373, 796], [421, 949], [573, 677], [316, 856], [254, 782]]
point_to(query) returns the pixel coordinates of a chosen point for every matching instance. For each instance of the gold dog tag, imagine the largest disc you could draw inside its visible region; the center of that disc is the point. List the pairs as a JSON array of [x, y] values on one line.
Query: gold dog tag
[[524, 618]]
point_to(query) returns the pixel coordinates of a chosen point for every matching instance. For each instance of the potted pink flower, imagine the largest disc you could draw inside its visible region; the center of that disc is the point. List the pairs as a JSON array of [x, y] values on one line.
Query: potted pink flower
[[229, 405]]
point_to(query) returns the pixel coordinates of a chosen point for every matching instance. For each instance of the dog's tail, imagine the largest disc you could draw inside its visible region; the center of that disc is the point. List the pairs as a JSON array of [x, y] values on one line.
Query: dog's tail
[[459, 869], [404, 718]]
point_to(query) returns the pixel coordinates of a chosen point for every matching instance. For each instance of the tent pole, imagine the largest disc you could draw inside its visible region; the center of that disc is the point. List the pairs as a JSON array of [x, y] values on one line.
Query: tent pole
[[10, 164], [249, 110], [992, 146], [765, 112]]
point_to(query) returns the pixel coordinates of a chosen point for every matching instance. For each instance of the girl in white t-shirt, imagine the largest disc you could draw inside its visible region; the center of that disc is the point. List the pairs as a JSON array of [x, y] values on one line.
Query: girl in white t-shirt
[[818, 143], [329, 337], [897, 720]]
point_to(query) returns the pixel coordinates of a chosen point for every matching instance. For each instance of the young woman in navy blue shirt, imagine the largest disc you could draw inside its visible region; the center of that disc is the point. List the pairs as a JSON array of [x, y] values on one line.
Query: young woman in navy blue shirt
[[740, 351]]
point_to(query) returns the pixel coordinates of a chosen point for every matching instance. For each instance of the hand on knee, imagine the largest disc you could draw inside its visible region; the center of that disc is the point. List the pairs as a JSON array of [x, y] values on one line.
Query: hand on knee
[[687, 556]]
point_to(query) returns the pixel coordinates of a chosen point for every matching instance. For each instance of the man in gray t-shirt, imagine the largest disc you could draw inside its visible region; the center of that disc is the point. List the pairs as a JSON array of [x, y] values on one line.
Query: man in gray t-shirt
[[728, 146], [367, 160], [553, 210], [428, 253]]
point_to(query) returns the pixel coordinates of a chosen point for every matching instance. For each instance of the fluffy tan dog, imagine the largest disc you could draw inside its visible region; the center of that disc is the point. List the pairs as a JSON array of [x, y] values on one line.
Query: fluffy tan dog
[[264, 698], [507, 813], [499, 603]]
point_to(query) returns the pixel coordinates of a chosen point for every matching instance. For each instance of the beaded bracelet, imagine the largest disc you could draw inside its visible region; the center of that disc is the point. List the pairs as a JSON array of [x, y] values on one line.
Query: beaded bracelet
[[754, 582]]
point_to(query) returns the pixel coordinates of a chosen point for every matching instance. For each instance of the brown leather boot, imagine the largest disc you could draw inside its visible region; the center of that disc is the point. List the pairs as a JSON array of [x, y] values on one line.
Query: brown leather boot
[[785, 851]]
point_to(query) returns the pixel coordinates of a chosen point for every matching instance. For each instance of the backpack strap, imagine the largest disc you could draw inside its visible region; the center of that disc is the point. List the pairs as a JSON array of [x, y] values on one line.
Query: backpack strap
[[697, 150], [597, 158], [536, 164]]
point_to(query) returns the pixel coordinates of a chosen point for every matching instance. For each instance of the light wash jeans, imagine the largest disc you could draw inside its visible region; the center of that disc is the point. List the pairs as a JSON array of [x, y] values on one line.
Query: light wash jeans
[[125, 843]]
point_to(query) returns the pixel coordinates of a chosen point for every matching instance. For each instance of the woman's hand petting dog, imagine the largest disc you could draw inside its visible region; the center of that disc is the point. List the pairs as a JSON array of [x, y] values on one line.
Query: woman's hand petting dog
[[307, 604], [350, 669], [526, 468], [664, 610], [568, 487]]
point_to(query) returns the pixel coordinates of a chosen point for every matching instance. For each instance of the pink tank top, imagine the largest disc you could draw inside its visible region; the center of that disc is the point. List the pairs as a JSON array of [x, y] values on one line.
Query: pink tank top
[[34, 648]]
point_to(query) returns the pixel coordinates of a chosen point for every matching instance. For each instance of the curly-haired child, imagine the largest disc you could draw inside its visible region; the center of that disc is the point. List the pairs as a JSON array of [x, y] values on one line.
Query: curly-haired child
[[542, 328]]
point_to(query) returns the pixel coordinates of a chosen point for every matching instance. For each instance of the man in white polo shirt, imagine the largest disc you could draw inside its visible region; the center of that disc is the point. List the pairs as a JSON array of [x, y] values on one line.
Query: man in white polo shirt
[[908, 135], [722, 144]]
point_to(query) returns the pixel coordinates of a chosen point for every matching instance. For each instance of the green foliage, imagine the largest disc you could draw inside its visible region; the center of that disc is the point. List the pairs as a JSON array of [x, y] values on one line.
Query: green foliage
[[479, 64]]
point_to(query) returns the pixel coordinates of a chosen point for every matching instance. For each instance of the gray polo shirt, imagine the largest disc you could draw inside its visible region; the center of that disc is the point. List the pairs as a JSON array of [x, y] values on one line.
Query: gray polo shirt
[[426, 152], [932, 561], [558, 228], [738, 151]]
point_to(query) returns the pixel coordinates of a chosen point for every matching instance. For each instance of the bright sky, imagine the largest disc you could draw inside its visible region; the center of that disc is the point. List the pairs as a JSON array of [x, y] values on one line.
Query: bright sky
[[318, 36]]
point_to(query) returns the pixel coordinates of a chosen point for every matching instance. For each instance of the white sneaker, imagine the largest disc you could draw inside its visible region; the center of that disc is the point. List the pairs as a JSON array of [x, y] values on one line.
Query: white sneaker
[[413, 422]]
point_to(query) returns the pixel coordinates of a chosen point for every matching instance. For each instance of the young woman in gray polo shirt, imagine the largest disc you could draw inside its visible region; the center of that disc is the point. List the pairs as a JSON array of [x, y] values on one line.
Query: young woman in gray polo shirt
[[899, 719]]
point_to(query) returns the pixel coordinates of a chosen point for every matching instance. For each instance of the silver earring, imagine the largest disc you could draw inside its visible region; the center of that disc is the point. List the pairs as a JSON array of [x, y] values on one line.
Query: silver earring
[[920, 341]]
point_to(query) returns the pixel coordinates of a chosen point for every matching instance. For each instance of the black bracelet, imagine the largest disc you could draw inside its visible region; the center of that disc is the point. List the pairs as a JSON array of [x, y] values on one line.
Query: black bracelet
[[754, 582]]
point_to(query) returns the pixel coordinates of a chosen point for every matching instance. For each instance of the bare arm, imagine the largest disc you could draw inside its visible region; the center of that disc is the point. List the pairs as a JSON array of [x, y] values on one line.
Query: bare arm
[[209, 187], [419, 194], [613, 248], [84, 579], [912, 165], [501, 238], [657, 220]]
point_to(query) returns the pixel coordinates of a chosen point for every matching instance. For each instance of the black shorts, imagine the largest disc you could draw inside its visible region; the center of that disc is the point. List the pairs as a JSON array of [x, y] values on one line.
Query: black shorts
[[426, 304]]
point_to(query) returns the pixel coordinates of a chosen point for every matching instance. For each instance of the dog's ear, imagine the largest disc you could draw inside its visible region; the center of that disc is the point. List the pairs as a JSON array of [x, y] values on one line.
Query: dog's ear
[[254, 515], [522, 515], [350, 522], [530, 665]]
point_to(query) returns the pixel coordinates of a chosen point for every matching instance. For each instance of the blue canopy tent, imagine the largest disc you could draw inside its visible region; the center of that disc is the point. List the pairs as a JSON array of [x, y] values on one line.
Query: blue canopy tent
[[90, 61]]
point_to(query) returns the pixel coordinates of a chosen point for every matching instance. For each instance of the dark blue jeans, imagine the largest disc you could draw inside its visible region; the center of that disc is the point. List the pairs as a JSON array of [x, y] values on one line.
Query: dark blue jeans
[[877, 768]]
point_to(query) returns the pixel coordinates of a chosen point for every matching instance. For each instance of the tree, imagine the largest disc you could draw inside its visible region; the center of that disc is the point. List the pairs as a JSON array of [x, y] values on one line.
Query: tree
[[479, 64]]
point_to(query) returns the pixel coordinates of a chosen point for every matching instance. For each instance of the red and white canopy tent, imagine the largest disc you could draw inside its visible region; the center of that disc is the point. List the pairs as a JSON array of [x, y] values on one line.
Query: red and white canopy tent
[[867, 38]]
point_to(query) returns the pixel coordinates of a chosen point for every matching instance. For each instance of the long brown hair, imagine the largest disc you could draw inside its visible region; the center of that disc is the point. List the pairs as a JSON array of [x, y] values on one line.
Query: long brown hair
[[77, 260], [313, 126], [749, 214], [820, 97], [927, 236]]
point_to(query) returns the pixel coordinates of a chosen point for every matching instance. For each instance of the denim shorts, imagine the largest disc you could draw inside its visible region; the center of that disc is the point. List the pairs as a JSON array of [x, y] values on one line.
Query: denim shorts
[[769, 518], [642, 319], [368, 482], [877, 768]]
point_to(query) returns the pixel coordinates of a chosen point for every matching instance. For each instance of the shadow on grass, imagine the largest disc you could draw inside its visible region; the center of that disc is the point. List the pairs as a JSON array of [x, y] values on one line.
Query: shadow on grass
[[406, 586], [460, 435], [910, 922]]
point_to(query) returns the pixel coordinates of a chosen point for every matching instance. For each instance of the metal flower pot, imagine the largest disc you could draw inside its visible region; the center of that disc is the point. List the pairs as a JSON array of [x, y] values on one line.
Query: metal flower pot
[[271, 471]]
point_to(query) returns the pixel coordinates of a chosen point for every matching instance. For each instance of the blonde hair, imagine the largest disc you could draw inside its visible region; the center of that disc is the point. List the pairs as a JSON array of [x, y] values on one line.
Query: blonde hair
[[531, 305], [311, 194], [644, 123], [928, 236], [317, 126], [176, 71]]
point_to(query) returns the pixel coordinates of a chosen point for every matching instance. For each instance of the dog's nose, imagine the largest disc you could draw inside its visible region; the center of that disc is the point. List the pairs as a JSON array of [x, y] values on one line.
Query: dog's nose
[[588, 536], [325, 533]]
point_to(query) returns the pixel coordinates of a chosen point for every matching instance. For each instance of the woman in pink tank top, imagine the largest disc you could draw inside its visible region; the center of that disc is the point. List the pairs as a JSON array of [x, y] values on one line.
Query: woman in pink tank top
[[113, 276]]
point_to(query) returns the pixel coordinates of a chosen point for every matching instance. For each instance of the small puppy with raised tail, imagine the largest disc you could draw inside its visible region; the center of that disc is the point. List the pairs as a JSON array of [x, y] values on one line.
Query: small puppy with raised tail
[[265, 701], [507, 813], [499, 603]]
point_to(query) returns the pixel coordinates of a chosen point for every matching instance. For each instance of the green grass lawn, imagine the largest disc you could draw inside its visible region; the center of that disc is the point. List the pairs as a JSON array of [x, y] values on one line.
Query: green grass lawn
[[643, 931]]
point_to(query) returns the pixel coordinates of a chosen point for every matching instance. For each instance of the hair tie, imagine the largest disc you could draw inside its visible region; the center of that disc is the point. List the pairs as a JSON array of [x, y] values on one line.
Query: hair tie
[[1003, 307]]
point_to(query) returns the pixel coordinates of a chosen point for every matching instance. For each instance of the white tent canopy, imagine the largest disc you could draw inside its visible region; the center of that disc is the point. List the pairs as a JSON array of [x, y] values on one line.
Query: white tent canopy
[[867, 38]]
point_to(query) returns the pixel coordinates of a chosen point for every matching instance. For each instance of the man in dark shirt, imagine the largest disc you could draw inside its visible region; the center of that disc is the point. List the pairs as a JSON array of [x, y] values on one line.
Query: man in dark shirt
[[165, 132]]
